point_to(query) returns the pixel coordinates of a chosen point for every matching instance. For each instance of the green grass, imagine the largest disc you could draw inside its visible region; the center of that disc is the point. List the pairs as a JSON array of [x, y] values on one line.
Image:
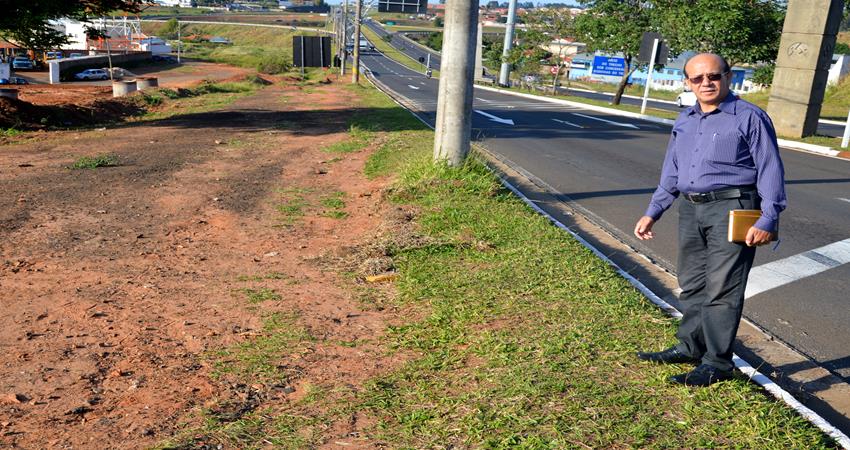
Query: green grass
[[208, 96], [268, 50], [10, 132], [93, 162], [358, 139], [528, 341], [334, 204], [260, 295], [513, 335]]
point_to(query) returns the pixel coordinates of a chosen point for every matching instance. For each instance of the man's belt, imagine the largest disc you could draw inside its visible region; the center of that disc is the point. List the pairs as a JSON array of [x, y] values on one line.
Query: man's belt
[[721, 194]]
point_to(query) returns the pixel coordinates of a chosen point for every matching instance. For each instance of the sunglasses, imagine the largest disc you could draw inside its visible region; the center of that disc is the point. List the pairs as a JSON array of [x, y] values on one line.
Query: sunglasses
[[711, 77]]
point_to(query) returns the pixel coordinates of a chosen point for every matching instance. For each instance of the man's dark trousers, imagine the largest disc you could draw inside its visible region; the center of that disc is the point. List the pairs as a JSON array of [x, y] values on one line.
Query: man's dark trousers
[[713, 277]]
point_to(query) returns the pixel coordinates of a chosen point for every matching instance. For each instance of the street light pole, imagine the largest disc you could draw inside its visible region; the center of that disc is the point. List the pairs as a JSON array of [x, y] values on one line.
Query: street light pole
[[453, 129], [355, 69], [504, 73], [344, 50]]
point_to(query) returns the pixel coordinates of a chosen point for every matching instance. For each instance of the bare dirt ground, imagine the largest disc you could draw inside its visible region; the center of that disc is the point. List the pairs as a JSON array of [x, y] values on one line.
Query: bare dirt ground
[[116, 282]]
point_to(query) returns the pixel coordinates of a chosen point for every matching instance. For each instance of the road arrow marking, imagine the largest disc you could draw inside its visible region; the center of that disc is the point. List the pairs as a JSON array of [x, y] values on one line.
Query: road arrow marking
[[619, 124], [777, 273], [413, 87], [569, 123], [494, 118], [483, 100], [843, 199]]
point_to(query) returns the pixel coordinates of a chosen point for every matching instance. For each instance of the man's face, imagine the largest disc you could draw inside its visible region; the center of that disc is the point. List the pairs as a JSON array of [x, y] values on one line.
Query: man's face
[[701, 70]]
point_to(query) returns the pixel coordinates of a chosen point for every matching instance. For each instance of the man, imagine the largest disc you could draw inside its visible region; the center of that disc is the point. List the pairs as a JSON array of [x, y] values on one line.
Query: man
[[722, 155]]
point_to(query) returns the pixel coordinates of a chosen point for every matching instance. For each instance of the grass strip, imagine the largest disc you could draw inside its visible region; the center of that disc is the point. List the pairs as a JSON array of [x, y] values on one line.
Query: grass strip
[[528, 341]]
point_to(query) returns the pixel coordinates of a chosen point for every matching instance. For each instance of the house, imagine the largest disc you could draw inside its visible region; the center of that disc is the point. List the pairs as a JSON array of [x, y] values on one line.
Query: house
[[180, 3]]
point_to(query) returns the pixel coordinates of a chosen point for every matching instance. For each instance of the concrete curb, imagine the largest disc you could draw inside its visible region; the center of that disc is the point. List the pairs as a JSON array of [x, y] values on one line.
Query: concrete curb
[[794, 145]]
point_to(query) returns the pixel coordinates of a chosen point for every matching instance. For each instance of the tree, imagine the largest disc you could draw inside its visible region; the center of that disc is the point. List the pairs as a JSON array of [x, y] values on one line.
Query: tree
[[552, 26], [841, 48], [28, 23], [615, 26], [742, 31]]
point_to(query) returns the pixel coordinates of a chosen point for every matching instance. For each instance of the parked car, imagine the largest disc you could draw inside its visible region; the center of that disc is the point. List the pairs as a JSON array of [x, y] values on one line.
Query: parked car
[[164, 58], [53, 55], [92, 74], [75, 55], [22, 62], [4, 81], [17, 80], [686, 98]]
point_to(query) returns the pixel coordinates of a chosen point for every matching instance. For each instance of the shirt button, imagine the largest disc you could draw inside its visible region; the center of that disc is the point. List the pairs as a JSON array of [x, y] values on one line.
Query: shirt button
[[692, 182], [693, 165]]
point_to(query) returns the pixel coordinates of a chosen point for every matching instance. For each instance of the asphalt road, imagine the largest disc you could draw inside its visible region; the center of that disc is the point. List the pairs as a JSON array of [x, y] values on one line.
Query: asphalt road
[[402, 45], [607, 166], [824, 128]]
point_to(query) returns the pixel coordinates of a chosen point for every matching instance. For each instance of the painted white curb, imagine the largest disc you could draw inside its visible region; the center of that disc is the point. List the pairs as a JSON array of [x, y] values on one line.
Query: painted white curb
[[812, 148], [745, 367]]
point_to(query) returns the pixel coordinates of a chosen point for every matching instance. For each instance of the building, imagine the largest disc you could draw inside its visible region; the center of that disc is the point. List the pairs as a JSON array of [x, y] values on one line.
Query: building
[[180, 3]]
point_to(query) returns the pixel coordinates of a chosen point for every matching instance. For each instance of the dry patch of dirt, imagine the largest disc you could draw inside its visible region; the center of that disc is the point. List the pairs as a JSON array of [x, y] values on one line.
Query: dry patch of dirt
[[119, 282]]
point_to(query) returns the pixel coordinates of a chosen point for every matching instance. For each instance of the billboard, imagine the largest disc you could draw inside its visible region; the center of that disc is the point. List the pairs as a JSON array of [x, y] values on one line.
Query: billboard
[[311, 51], [606, 65], [403, 6]]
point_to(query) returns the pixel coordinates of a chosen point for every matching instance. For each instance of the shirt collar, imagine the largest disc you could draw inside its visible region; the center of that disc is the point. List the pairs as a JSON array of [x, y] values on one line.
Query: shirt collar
[[727, 105]]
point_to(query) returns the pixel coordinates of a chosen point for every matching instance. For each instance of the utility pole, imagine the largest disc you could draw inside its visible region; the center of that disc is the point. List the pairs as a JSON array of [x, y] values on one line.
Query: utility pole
[[179, 41], [504, 73], [355, 69], [454, 102], [343, 51]]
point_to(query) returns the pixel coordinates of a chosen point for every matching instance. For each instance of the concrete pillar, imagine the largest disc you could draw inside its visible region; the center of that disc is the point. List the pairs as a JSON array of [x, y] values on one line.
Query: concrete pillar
[[122, 88], [802, 66], [54, 72], [358, 20], [9, 93], [147, 83], [479, 49], [453, 129]]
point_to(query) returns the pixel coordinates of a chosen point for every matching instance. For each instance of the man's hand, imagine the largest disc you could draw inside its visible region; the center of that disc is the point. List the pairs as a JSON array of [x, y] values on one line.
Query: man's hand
[[756, 237], [643, 229]]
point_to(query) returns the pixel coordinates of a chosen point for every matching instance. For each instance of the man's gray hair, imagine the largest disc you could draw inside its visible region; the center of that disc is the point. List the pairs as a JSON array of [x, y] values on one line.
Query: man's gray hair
[[726, 67]]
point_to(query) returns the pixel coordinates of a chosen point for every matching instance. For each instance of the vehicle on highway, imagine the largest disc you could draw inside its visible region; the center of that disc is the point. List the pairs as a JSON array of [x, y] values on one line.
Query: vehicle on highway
[[22, 62], [366, 46], [686, 98], [220, 40], [92, 74]]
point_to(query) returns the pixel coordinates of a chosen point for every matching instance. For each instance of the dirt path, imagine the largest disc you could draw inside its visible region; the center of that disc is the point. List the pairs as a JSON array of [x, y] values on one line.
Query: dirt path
[[116, 281]]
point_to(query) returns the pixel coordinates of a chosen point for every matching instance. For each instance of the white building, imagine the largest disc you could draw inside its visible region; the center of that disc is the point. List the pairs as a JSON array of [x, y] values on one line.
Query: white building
[[180, 3], [839, 68]]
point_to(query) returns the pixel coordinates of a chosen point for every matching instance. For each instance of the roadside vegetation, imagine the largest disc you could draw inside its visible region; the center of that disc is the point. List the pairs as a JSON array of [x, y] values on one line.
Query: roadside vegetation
[[268, 50], [166, 102], [93, 162], [514, 336]]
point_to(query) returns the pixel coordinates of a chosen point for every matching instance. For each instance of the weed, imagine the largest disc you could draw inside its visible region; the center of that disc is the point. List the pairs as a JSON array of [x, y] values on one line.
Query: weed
[[10, 132], [93, 162], [150, 99], [268, 276], [260, 295]]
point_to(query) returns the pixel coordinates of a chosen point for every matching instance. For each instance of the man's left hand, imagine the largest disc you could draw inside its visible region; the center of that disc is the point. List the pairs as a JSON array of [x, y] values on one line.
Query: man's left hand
[[756, 237]]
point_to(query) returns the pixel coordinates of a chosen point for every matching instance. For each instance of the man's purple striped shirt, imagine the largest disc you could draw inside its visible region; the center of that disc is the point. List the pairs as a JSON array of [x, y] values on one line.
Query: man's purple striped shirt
[[734, 145]]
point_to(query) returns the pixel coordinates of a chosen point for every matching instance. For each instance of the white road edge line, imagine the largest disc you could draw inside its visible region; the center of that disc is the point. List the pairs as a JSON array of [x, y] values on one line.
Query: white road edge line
[[569, 123], [787, 270], [754, 375], [619, 124]]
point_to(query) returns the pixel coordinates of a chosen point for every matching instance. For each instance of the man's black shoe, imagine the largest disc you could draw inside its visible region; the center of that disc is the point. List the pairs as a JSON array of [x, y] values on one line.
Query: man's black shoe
[[670, 356], [703, 375]]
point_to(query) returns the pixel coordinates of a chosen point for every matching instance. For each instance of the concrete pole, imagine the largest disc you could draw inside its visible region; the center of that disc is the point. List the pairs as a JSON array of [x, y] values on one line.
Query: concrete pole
[[344, 37], [355, 67], [802, 66], [453, 129], [179, 42], [504, 74], [649, 70]]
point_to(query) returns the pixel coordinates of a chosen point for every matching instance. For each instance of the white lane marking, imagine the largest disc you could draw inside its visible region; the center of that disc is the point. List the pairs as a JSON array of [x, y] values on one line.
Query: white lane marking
[[569, 123], [483, 100], [422, 83], [415, 88], [494, 118], [777, 273], [843, 199], [619, 124]]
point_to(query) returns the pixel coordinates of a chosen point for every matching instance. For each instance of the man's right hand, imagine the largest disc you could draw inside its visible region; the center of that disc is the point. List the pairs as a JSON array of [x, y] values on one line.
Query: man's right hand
[[643, 229]]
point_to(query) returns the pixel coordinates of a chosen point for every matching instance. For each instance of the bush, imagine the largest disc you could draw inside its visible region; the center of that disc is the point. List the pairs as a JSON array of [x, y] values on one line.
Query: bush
[[273, 63], [764, 75]]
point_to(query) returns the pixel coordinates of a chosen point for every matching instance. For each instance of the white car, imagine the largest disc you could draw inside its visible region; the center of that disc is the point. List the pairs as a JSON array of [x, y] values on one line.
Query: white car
[[686, 98], [92, 74]]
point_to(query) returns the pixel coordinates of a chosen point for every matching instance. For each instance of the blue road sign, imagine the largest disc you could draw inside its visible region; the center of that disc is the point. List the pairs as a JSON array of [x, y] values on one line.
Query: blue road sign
[[605, 65]]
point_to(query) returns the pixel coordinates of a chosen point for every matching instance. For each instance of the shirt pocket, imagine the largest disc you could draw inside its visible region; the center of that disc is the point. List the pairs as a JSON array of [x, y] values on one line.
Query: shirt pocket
[[725, 147]]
